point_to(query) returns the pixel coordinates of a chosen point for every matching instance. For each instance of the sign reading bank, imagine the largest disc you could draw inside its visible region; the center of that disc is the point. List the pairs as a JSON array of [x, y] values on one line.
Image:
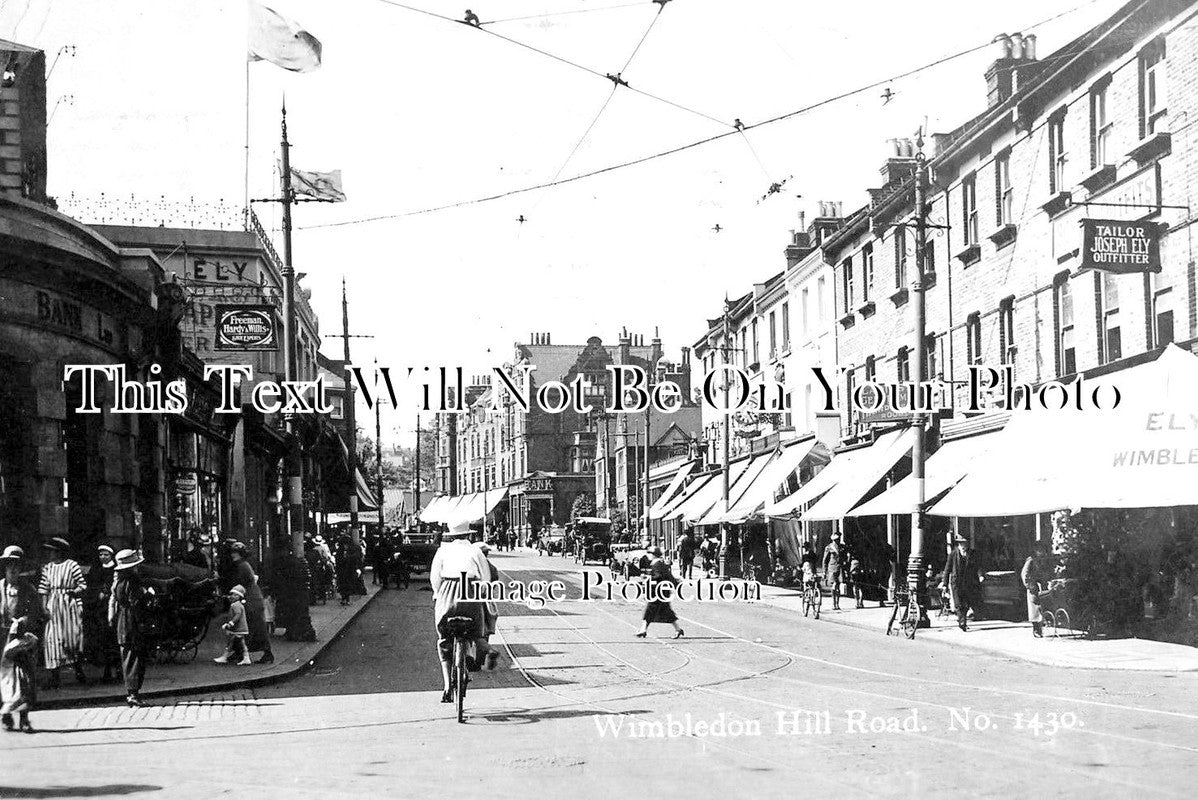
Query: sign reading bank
[[1119, 246]]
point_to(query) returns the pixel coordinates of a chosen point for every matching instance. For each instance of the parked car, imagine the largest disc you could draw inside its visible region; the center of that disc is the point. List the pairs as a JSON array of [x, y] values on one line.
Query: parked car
[[629, 564], [591, 537], [418, 549]]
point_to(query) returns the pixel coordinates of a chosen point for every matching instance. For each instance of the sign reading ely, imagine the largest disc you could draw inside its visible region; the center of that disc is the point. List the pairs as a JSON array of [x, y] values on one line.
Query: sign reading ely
[[1119, 246]]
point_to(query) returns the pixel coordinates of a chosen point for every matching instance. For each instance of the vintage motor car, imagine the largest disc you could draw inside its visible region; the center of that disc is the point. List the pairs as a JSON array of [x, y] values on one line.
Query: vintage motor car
[[591, 537]]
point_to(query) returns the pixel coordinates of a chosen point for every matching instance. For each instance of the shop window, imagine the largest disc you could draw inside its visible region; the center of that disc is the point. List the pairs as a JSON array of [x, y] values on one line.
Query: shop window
[[1056, 153], [973, 338], [1162, 308], [1066, 346], [969, 209], [900, 256], [1153, 89], [1108, 304]]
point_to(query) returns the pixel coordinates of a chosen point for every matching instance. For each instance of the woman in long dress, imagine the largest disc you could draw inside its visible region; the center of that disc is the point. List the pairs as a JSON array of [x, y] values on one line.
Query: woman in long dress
[[454, 560], [62, 588], [659, 610], [255, 605]]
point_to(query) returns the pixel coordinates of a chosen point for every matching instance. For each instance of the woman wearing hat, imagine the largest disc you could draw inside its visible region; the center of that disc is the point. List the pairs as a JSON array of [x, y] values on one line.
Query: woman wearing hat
[[98, 635], [62, 588], [18, 597], [659, 610], [455, 558]]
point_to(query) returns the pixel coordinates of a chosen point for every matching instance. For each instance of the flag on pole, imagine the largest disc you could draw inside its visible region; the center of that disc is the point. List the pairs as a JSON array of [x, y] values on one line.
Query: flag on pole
[[282, 42], [318, 185]]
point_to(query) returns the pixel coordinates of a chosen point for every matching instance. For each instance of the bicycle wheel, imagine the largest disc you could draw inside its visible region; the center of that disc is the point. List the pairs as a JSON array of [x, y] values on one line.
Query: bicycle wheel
[[891, 628], [807, 604], [459, 677], [911, 619], [818, 599]]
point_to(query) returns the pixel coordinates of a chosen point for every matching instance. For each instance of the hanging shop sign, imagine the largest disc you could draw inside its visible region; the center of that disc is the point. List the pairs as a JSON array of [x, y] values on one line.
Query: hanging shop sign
[[185, 485], [246, 328], [1119, 246]]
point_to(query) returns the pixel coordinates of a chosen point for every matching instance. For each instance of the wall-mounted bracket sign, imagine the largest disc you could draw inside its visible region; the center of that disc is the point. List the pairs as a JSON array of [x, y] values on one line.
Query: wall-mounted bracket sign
[[246, 328], [1120, 246]]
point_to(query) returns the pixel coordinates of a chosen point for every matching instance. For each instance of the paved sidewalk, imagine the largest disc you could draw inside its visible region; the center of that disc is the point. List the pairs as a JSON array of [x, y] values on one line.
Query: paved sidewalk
[[202, 675], [1012, 639]]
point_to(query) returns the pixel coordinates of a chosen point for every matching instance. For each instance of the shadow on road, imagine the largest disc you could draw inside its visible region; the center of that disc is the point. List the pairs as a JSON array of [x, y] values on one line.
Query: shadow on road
[[77, 791]]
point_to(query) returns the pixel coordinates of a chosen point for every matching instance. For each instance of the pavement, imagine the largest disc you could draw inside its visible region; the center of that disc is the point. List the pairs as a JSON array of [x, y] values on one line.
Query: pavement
[[1014, 639], [754, 700], [200, 674]]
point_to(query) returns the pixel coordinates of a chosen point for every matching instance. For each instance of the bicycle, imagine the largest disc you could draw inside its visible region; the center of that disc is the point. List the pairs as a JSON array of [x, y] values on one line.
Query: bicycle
[[813, 598], [459, 630], [908, 621]]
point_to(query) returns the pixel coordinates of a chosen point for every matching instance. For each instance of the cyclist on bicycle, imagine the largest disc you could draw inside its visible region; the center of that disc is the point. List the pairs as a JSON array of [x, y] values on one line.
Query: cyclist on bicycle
[[455, 558], [809, 566], [834, 567]]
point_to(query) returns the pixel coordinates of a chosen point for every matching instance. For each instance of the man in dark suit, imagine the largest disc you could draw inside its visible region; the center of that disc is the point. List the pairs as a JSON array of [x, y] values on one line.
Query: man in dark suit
[[961, 575]]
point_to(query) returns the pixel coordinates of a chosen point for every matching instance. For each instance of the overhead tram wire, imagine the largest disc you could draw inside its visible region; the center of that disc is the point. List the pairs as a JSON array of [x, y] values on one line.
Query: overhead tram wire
[[560, 59], [690, 145], [565, 13]]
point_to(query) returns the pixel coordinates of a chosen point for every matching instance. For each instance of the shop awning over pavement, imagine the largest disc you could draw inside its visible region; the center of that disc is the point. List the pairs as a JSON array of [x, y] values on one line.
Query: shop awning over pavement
[[672, 490], [772, 480], [1141, 454], [843, 467], [870, 467], [445, 511], [366, 498], [429, 512], [698, 504], [737, 490], [687, 492], [943, 470]]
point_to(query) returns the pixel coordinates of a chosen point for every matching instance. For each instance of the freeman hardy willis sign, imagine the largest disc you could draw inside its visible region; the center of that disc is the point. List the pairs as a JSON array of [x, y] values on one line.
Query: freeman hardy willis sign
[[246, 328], [1120, 246]]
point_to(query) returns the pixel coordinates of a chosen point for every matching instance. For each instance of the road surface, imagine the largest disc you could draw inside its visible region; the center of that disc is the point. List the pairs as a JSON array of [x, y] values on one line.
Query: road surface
[[753, 701]]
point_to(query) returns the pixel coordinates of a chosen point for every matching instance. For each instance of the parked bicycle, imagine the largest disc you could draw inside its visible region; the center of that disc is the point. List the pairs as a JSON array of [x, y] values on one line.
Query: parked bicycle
[[904, 617]]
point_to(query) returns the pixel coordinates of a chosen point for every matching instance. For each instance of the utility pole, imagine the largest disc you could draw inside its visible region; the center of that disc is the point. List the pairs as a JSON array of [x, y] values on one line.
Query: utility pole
[[350, 413], [300, 627], [916, 580], [727, 445], [416, 488]]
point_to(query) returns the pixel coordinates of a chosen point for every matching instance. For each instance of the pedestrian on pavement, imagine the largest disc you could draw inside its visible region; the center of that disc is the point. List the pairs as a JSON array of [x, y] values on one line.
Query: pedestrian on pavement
[[381, 553], [18, 596], [1035, 575], [686, 555], [857, 579], [349, 569], [961, 576], [128, 611], [18, 689], [236, 630], [658, 610], [243, 575], [98, 635], [455, 561], [834, 567], [62, 587]]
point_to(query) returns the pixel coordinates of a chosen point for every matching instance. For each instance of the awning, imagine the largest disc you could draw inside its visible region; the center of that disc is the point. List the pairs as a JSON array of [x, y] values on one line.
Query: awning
[[429, 512], [738, 489], [942, 471], [474, 507], [1141, 454], [771, 479], [366, 498], [687, 493], [840, 466], [701, 501], [672, 490], [875, 461], [445, 511]]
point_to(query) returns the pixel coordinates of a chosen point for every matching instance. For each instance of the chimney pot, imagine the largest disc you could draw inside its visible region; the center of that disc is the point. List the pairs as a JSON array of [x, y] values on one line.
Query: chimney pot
[[1002, 47], [1029, 47], [1017, 45]]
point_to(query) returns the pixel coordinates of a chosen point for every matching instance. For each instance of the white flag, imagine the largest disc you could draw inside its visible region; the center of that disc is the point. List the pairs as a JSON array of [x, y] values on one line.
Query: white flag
[[318, 185], [282, 42]]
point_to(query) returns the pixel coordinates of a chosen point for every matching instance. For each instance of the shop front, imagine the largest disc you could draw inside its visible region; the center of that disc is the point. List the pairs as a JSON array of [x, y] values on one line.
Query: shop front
[[543, 500]]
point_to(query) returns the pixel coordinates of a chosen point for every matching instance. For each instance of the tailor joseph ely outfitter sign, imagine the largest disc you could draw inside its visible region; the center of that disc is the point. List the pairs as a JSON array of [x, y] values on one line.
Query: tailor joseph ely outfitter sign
[[1110, 245], [629, 391]]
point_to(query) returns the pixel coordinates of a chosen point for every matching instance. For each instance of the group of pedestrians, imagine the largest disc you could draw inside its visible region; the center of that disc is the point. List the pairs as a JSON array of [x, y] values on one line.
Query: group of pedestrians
[[339, 567]]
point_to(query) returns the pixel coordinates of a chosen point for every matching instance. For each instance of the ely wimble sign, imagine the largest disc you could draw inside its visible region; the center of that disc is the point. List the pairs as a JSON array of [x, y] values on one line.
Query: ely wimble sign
[[1119, 246], [246, 328]]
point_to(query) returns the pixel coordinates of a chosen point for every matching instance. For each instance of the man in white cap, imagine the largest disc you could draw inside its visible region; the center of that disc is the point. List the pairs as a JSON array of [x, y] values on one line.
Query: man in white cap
[[456, 559]]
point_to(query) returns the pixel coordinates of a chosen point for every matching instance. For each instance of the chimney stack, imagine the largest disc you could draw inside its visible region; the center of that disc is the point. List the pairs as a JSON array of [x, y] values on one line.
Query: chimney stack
[[1011, 53]]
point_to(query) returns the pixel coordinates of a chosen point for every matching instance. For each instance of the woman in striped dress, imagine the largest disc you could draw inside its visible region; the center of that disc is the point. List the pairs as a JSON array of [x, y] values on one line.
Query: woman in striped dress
[[62, 588]]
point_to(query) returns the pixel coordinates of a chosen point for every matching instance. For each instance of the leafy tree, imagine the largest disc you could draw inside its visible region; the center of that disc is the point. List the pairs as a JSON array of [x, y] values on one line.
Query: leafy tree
[[584, 506], [369, 465]]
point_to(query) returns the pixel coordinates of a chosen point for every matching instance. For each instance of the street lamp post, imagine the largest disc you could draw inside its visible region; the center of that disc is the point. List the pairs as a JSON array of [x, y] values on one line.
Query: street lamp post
[[916, 580]]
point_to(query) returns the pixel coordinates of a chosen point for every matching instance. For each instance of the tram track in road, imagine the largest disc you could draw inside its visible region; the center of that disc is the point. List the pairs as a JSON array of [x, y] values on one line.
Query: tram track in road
[[749, 675]]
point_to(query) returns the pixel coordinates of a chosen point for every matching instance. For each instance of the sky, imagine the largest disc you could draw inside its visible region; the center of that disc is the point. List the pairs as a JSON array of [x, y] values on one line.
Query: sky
[[419, 112]]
